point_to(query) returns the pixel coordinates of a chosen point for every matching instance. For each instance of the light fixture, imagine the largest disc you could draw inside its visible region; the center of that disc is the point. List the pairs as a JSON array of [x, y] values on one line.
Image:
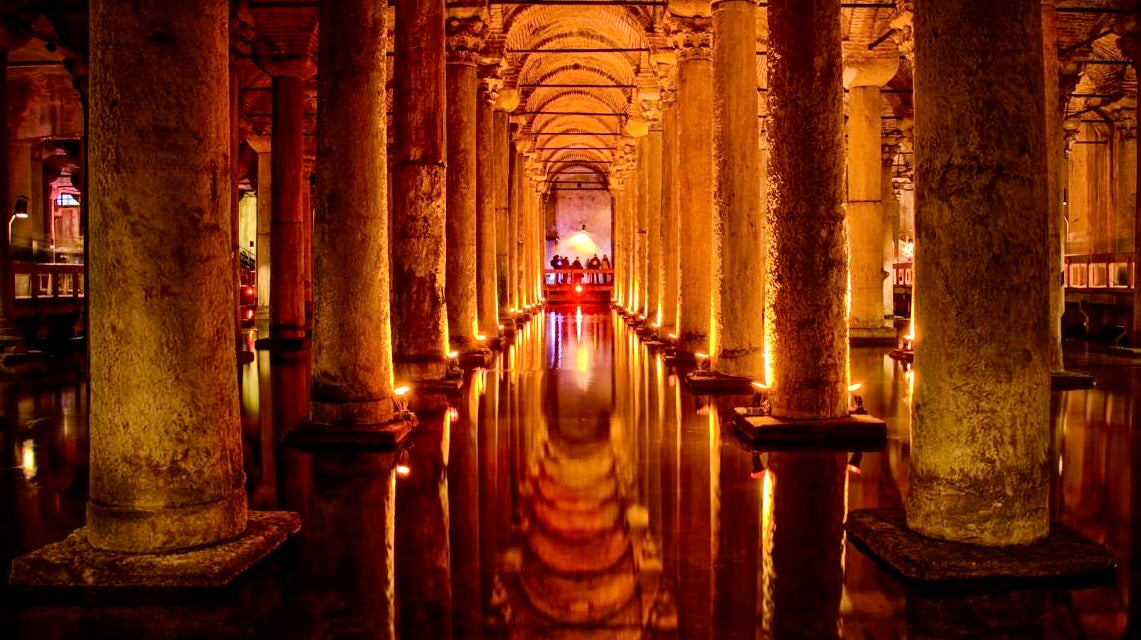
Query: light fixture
[[19, 212], [702, 361], [854, 462], [481, 337], [400, 398], [758, 467], [578, 288], [403, 466], [857, 400]]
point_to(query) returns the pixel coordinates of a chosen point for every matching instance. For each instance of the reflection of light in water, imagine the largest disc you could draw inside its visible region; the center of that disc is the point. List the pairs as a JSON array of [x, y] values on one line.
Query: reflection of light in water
[[28, 459]]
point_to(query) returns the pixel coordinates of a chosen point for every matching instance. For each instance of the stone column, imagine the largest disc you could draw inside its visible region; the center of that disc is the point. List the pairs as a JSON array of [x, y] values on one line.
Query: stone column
[[262, 145], [979, 441], [419, 313], [287, 226], [352, 346], [1055, 148], [671, 154], [865, 198], [806, 301], [465, 33], [501, 151], [487, 281], [738, 259], [518, 213], [692, 41], [653, 203], [12, 35], [641, 227], [165, 476], [1130, 44]]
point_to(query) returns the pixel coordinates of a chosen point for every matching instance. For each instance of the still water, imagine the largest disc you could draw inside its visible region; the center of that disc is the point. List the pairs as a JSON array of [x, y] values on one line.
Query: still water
[[575, 490]]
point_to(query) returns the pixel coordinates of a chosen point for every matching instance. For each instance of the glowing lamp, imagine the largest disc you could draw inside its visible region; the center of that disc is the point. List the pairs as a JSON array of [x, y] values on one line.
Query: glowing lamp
[[855, 387], [403, 468], [760, 386], [854, 463], [452, 355], [673, 336], [481, 337], [401, 390], [578, 288], [758, 467]]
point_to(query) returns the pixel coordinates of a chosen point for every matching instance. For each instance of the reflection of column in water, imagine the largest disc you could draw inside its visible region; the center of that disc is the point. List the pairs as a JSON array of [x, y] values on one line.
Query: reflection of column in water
[[694, 588], [736, 508], [1134, 548], [423, 561], [1016, 614], [671, 451], [348, 549], [463, 499], [652, 488], [488, 435], [289, 389], [803, 543]]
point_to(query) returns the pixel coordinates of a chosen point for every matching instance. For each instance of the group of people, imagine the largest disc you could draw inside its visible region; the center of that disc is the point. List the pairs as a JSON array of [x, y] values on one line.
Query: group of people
[[564, 269]]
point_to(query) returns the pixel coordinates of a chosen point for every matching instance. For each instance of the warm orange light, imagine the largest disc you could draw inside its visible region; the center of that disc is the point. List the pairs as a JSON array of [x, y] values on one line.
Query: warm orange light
[[481, 337], [855, 387], [401, 390], [578, 288], [760, 386], [403, 470], [452, 355]]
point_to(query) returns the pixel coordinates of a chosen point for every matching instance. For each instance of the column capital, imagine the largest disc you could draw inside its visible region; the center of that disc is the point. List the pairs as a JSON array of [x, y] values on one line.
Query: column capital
[[1070, 130], [901, 25], [490, 74], [869, 72], [691, 37], [259, 143], [464, 36], [1125, 121]]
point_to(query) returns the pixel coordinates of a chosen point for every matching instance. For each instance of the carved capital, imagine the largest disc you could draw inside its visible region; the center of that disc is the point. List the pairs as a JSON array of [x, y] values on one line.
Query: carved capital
[[490, 76], [903, 35], [464, 39], [691, 37]]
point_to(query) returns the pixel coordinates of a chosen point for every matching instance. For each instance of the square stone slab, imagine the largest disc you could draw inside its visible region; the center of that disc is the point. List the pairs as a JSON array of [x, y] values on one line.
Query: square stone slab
[[713, 383], [879, 337], [1070, 380], [73, 563], [851, 433], [1064, 558], [389, 436]]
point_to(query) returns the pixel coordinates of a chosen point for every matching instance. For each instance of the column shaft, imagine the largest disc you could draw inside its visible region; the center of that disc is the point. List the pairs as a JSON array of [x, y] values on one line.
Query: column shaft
[[265, 216], [462, 47], [352, 346], [670, 255], [419, 313], [287, 228], [865, 208], [642, 228], [654, 225], [501, 154], [979, 440], [738, 267], [806, 299], [1055, 150], [695, 177], [164, 475], [488, 298]]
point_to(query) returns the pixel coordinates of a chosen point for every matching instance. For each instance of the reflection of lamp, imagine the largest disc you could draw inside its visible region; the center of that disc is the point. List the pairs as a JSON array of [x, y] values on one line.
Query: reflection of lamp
[[19, 211]]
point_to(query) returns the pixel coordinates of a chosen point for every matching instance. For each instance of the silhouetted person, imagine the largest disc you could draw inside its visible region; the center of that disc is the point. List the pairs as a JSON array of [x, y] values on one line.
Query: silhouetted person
[[606, 267], [555, 265], [594, 263]]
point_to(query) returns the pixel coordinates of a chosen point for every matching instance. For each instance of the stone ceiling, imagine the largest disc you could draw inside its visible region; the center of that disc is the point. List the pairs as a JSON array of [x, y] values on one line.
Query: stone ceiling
[[575, 103]]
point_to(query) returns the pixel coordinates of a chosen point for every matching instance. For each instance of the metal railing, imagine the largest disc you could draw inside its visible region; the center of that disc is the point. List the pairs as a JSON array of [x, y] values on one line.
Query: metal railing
[[1100, 271], [47, 282], [553, 278]]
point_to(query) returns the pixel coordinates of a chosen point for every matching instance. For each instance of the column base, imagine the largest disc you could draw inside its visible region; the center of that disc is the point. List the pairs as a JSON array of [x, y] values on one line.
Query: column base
[[903, 355], [873, 337], [281, 344], [74, 564], [1070, 381], [712, 383], [1063, 558], [478, 358], [388, 436], [765, 433]]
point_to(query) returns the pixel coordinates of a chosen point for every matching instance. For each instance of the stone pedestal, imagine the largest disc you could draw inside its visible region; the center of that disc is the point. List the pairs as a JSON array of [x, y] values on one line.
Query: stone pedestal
[[691, 38], [738, 267], [979, 440], [419, 314], [464, 39], [806, 299], [353, 402], [166, 477]]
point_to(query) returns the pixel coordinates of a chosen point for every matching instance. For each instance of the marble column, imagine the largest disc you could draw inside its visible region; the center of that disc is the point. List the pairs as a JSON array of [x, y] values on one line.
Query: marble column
[[865, 198], [419, 313], [352, 346], [738, 259], [465, 33], [806, 298], [12, 35], [979, 440], [691, 38], [671, 154], [518, 178], [166, 475], [501, 151], [1055, 145], [653, 202], [287, 222], [264, 148], [641, 227], [487, 307]]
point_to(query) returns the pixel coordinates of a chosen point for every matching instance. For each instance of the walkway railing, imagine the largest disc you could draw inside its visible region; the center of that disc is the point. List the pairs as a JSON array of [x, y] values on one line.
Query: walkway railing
[[1083, 272], [47, 288], [577, 285]]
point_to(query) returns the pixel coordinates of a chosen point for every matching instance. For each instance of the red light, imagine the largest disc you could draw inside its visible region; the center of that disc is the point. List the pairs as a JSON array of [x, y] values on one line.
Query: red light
[[578, 288], [249, 314]]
